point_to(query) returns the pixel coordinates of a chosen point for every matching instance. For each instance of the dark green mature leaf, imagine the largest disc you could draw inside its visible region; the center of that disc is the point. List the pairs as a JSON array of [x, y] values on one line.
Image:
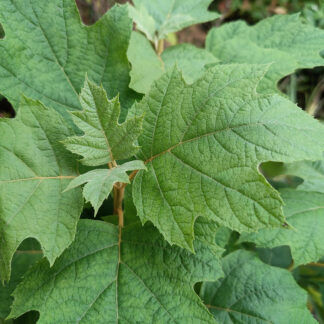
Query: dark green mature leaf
[[156, 19], [253, 292], [47, 51], [202, 145], [100, 182], [305, 212], [34, 170], [282, 40], [206, 232], [103, 278], [27, 255], [147, 66], [104, 139]]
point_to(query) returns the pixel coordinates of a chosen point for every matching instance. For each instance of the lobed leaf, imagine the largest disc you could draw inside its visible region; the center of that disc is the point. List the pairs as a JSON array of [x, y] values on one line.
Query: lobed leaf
[[47, 51], [282, 40], [26, 256], [147, 66], [157, 19], [34, 170], [305, 212], [104, 278], [253, 292], [104, 139], [202, 145], [100, 182]]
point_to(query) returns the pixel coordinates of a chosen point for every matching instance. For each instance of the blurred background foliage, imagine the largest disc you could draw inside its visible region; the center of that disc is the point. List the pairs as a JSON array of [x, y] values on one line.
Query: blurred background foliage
[[305, 87]]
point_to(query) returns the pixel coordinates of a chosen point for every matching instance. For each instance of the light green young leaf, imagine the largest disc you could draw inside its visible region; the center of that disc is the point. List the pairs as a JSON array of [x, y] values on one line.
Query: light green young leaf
[[34, 170], [192, 61], [100, 182], [202, 145], [26, 255], [136, 278], [47, 51], [148, 67], [104, 139], [156, 19], [254, 292], [282, 40], [305, 212]]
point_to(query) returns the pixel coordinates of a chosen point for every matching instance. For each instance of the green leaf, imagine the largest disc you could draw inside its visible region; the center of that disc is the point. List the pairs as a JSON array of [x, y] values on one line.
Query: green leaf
[[206, 232], [27, 254], [305, 212], [147, 66], [103, 278], [156, 19], [282, 40], [253, 292], [279, 256], [192, 61], [104, 139], [202, 144], [311, 171], [34, 170], [100, 182], [47, 51]]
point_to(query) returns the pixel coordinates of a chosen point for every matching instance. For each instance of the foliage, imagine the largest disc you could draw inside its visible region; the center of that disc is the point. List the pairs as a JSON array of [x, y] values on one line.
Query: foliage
[[167, 145]]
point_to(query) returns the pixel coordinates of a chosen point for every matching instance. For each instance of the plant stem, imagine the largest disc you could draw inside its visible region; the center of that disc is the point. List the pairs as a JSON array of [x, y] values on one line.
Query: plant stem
[[316, 264], [160, 47], [119, 190]]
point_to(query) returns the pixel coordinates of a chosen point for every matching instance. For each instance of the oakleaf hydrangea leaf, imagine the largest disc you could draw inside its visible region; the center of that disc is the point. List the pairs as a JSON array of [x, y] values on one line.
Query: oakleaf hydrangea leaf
[[305, 212], [100, 182], [26, 255], [147, 66], [156, 19], [206, 231], [136, 278], [34, 170], [191, 60], [104, 139], [282, 40], [202, 144], [254, 292], [47, 51]]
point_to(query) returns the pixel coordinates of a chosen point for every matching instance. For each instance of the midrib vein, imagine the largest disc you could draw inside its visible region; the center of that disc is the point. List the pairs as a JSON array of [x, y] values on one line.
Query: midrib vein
[[197, 138]]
